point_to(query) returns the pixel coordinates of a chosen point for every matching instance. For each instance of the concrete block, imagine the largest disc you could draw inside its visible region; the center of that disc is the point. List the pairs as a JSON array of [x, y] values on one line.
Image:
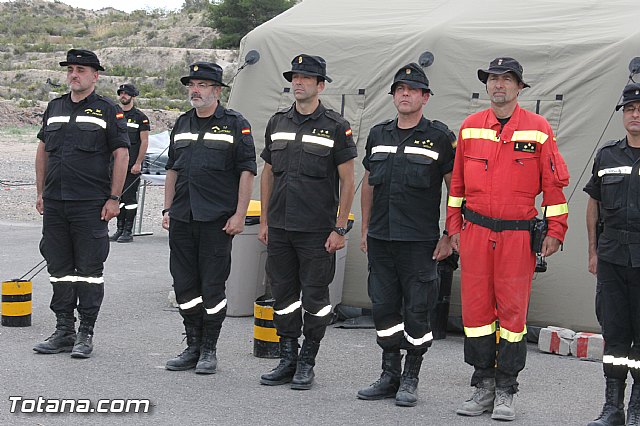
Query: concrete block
[[588, 346], [555, 340]]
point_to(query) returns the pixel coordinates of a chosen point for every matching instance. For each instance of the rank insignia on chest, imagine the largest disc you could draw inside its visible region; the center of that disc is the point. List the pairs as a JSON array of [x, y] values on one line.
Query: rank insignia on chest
[[525, 147], [424, 144], [322, 133]]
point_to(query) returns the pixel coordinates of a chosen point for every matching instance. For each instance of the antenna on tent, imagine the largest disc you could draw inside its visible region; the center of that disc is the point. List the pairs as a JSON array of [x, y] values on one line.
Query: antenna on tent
[[250, 58], [426, 59], [634, 67]]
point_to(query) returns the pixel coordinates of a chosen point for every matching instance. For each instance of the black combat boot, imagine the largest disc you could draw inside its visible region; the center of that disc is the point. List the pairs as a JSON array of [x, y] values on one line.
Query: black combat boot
[[84, 341], [63, 339], [407, 395], [633, 410], [613, 411], [119, 226], [303, 378], [208, 362], [389, 382], [127, 233], [188, 359], [284, 372]]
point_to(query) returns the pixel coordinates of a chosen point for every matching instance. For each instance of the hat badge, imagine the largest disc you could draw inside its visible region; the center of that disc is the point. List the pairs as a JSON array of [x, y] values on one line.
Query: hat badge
[[195, 68], [408, 71], [637, 92], [299, 59], [499, 61]]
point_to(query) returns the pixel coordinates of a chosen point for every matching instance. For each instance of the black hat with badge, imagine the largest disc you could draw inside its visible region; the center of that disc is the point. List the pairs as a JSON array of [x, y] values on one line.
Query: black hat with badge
[[308, 65], [631, 93], [204, 71], [129, 89], [502, 66], [413, 75], [82, 57]]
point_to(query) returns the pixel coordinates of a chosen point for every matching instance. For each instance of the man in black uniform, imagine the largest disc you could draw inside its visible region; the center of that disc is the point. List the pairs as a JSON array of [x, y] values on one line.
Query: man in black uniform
[[76, 196], [614, 190], [406, 161], [212, 162], [308, 174], [138, 126]]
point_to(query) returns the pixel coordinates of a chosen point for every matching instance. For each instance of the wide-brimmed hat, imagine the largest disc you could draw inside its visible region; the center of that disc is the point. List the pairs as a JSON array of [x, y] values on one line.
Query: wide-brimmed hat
[[308, 65], [413, 75], [502, 66], [204, 71], [631, 93], [82, 57], [129, 89]]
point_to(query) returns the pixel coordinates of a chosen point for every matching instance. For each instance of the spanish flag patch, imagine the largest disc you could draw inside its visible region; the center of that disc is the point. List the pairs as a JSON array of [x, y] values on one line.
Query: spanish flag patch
[[119, 115], [145, 121], [246, 131], [348, 132]]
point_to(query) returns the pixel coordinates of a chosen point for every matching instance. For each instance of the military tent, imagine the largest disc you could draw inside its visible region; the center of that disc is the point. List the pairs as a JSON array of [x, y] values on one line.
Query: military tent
[[575, 55]]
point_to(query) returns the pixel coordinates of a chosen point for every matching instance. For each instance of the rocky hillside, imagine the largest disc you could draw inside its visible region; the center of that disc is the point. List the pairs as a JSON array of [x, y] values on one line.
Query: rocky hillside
[[152, 49]]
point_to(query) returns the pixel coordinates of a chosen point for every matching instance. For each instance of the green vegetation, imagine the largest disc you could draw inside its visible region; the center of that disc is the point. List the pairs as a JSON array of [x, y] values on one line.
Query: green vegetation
[[235, 18]]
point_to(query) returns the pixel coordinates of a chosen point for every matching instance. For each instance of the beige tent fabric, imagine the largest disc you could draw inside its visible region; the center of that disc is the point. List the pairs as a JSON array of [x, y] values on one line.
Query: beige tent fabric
[[575, 55]]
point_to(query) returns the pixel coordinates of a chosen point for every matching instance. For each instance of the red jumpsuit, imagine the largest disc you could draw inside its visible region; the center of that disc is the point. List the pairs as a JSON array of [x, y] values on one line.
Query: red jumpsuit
[[500, 173]]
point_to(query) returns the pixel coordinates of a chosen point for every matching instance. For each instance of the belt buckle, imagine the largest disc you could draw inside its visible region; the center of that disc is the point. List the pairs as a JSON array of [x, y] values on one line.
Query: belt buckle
[[497, 224]]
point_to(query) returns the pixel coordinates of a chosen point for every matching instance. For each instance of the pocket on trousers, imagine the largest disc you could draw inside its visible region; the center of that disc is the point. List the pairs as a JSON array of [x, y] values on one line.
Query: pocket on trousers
[[424, 292]]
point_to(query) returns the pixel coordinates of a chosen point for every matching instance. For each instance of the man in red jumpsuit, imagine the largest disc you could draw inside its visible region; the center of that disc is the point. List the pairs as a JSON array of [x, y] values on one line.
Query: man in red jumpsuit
[[505, 157]]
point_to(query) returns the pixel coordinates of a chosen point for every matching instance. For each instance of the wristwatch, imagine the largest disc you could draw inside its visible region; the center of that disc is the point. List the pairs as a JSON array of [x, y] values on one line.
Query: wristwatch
[[114, 197], [340, 231]]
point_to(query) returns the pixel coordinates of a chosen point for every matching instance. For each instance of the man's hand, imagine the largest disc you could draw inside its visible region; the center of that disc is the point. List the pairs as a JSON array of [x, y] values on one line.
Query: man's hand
[[110, 210], [550, 245], [165, 221], [135, 169], [455, 242], [263, 233], [363, 243], [593, 264], [334, 243], [443, 249], [40, 205], [234, 225]]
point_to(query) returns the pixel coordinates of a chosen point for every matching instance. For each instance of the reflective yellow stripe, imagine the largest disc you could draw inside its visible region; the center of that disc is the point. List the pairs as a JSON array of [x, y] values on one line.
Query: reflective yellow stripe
[[485, 330], [529, 136], [16, 288], [557, 210], [16, 309], [263, 312], [510, 336], [472, 133], [265, 334], [455, 201]]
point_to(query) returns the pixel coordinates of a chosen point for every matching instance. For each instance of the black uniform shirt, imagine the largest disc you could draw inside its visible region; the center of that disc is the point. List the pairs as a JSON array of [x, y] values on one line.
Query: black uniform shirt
[[79, 139], [406, 176], [304, 153], [209, 160], [137, 122], [615, 183]]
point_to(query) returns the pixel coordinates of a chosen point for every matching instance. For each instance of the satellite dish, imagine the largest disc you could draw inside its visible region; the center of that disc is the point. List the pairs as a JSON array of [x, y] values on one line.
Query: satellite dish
[[634, 66], [252, 57], [426, 59]]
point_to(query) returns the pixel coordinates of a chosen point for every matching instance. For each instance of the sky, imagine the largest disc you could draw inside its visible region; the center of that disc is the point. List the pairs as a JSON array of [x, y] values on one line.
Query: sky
[[125, 5]]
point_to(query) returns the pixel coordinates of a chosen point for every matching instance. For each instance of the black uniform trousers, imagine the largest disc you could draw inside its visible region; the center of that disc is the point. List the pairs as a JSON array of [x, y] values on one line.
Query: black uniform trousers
[[403, 288], [130, 195], [75, 244], [298, 262], [620, 314], [200, 262]]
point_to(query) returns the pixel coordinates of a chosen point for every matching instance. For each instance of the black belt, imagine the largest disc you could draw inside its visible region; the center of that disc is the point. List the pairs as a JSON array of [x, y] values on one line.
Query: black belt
[[496, 225], [623, 237]]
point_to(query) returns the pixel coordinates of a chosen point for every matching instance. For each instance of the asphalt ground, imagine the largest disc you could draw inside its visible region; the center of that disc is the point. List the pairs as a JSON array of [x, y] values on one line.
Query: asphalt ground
[[138, 330]]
